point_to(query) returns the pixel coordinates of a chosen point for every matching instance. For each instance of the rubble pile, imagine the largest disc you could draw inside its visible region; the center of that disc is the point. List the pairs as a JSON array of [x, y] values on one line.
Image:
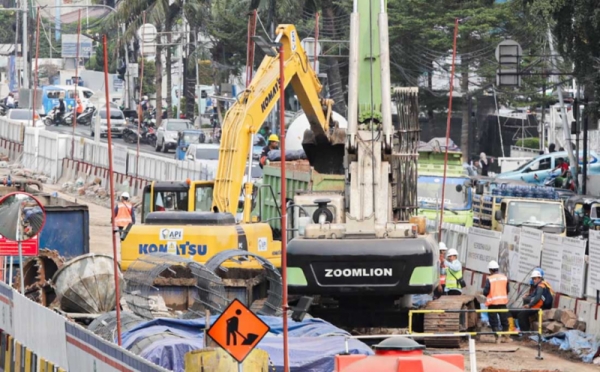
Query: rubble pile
[[557, 320], [95, 191], [18, 171]]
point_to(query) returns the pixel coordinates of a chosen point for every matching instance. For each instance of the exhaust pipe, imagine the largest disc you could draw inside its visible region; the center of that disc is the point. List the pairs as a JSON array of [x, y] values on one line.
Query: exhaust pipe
[[386, 89], [353, 80]]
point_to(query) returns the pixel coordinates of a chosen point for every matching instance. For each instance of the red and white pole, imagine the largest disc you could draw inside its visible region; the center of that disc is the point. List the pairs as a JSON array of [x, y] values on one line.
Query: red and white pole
[[112, 195], [286, 365], [449, 119]]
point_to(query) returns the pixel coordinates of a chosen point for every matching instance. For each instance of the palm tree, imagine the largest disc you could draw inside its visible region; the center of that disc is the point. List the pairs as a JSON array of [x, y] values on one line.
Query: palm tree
[[132, 13]]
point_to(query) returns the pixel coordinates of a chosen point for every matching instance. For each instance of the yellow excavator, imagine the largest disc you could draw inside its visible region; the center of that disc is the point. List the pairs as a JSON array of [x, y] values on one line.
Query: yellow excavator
[[197, 219]]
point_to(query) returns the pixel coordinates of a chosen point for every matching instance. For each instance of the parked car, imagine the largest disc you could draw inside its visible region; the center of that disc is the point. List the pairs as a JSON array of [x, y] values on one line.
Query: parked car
[[539, 168], [166, 135], [208, 154], [117, 122], [24, 116]]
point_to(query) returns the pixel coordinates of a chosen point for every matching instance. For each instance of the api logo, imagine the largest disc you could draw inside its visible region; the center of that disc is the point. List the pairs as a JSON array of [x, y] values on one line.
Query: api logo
[[171, 234], [173, 248]]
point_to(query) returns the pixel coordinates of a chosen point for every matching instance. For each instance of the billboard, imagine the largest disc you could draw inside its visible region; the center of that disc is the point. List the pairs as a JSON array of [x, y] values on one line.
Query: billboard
[[69, 46]]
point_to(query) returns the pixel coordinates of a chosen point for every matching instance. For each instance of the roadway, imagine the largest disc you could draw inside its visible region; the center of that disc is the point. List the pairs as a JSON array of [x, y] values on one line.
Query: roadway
[[84, 131]]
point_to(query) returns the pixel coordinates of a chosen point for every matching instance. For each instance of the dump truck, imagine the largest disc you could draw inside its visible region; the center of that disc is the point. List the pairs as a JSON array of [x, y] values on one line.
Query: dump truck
[[458, 208]]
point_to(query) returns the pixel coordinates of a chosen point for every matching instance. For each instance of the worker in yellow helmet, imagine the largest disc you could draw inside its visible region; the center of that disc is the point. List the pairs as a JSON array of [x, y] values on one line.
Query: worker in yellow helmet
[[273, 145]]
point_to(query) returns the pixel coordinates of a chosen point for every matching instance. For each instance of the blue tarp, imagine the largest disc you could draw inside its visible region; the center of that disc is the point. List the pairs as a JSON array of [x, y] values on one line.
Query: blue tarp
[[579, 343], [275, 155], [312, 343]]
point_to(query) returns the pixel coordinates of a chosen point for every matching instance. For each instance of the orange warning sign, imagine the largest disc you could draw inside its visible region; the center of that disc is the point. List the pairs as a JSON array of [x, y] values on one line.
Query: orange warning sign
[[238, 330]]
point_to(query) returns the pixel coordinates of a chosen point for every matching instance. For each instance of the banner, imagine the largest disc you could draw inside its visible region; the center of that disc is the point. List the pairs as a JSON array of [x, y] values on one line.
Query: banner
[[573, 267], [530, 252], [482, 248], [552, 259], [593, 282], [509, 251]]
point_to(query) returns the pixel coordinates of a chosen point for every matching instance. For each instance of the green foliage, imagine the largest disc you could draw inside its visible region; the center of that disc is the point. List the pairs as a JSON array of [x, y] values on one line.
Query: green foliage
[[149, 86], [7, 20], [183, 101], [96, 63], [530, 143], [576, 29]]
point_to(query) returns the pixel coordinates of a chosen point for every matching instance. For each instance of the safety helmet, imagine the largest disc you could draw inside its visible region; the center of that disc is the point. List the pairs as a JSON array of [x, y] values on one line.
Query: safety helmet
[[536, 274], [452, 252], [493, 265], [443, 246], [125, 195], [273, 138]]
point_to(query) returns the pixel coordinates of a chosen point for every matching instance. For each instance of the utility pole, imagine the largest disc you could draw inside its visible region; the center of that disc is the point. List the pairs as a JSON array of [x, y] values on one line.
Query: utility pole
[[566, 126], [25, 48], [183, 38]]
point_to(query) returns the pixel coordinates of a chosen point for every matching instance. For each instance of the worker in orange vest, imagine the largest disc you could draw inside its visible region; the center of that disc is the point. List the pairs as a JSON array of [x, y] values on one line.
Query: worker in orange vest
[[124, 212], [79, 106], [540, 297], [496, 291], [439, 291]]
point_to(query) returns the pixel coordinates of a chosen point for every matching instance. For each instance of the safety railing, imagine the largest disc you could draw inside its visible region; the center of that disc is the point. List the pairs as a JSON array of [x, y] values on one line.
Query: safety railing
[[538, 332]]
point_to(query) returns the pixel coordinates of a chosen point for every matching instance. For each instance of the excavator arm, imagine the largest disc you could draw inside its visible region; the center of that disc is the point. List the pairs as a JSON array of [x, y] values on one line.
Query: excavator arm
[[252, 107]]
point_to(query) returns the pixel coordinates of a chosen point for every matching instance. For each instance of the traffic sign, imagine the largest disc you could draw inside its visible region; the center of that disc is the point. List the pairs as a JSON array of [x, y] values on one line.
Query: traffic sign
[[238, 330], [11, 248]]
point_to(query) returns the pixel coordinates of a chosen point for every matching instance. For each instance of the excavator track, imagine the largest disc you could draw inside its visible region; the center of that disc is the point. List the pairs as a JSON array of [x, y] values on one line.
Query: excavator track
[[449, 322]]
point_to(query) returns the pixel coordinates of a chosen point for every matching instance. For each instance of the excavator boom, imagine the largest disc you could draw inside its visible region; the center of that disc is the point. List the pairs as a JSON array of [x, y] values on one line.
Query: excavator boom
[[252, 107]]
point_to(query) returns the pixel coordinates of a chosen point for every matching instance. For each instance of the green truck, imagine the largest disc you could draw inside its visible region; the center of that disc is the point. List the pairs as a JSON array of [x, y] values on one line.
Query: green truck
[[301, 179], [458, 199]]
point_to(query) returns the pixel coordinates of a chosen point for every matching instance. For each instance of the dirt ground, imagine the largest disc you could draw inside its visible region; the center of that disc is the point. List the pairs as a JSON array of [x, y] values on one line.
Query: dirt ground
[[518, 357]]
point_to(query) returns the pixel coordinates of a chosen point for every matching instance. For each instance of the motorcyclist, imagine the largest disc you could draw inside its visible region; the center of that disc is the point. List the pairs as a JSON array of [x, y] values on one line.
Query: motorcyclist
[[61, 111], [10, 101]]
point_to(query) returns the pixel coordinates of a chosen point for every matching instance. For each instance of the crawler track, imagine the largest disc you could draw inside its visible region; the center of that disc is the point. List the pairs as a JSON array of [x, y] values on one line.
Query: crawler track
[[449, 322]]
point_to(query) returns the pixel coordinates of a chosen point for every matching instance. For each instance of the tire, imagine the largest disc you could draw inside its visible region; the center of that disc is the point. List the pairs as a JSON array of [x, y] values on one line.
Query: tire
[[156, 146], [164, 147]]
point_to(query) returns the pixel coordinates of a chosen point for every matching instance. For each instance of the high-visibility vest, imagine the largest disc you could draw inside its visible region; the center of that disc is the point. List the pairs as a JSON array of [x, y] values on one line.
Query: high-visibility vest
[[442, 274], [546, 296], [124, 215], [498, 294], [452, 278]]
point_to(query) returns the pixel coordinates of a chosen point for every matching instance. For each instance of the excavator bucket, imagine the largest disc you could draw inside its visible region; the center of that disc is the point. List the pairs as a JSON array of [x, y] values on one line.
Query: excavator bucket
[[325, 155]]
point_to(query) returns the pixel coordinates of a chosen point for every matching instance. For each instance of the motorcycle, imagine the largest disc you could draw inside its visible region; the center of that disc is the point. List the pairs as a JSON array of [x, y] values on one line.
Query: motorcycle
[[147, 133], [85, 118], [52, 118]]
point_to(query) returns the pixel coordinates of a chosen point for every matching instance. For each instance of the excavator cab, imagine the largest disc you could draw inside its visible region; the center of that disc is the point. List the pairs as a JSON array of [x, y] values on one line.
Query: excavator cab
[[192, 196]]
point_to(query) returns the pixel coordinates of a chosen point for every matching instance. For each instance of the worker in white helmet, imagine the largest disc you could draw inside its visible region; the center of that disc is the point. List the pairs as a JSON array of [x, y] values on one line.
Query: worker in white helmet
[[454, 276], [496, 291], [439, 291], [124, 212], [539, 297]]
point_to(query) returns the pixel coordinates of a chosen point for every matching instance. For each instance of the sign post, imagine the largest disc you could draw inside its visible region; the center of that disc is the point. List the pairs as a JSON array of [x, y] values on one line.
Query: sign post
[[22, 217], [238, 330]]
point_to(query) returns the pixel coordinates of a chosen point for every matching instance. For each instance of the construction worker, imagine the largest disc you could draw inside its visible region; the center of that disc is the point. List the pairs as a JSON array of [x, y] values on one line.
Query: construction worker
[[539, 297], [124, 212], [454, 275], [439, 291], [496, 292], [273, 145]]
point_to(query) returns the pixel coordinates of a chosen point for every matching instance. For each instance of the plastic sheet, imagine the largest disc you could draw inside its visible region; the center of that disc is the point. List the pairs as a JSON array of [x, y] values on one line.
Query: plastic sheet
[[582, 344], [313, 342]]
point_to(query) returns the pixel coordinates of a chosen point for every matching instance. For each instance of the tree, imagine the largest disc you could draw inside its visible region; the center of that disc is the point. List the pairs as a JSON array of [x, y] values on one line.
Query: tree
[[576, 29], [422, 32]]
